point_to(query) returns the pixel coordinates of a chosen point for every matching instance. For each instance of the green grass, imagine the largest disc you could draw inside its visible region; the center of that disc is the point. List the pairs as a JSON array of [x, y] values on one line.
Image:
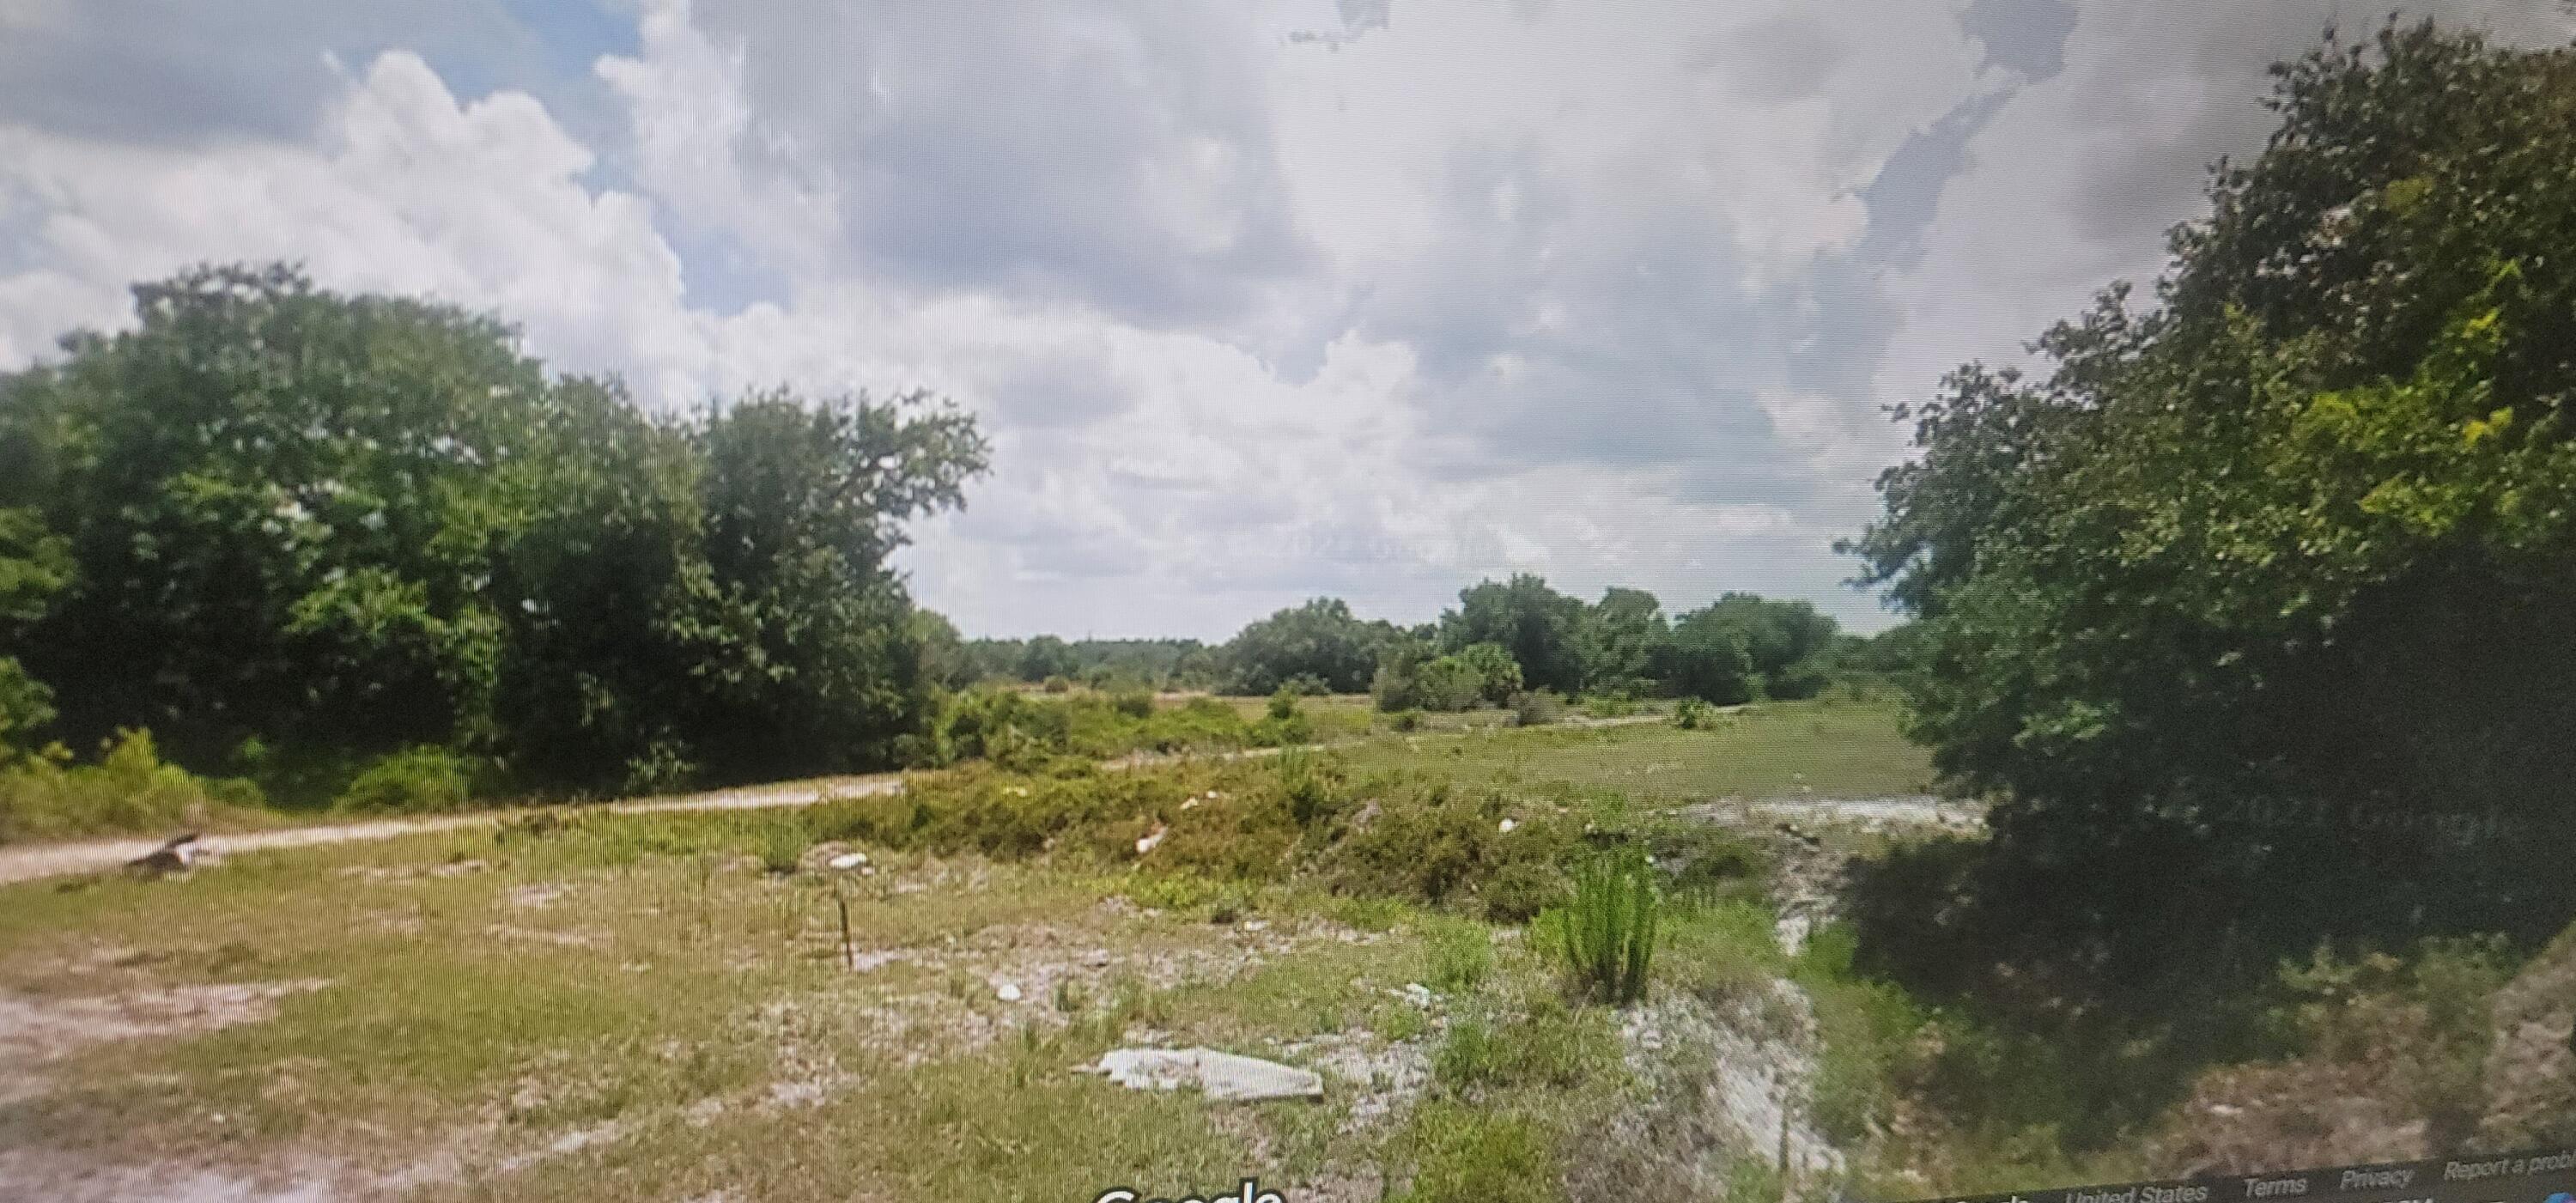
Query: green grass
[[651, 980], [1833, 749]]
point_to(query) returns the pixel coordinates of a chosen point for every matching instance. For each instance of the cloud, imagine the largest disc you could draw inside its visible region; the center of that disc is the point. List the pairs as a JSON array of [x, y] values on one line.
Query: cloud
[[1258, 302], [2075, 179]]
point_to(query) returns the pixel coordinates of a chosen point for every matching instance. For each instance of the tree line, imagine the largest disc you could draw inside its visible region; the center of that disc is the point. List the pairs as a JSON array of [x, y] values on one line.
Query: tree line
[[1503, 638]]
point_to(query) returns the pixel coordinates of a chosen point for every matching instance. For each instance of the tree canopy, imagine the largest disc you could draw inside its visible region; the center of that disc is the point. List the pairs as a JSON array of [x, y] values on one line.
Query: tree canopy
[[2252, 611], [275, 522]]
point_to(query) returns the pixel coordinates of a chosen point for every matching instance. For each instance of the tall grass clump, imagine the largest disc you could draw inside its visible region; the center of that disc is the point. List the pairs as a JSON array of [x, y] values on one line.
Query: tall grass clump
[[1606, 931]]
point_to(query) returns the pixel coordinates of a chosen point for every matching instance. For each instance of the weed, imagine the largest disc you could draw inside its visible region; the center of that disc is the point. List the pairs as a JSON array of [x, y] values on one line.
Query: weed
[[1549, 1046], [1606, 932], [782, 845], [1462, 954], [1459, 1155]]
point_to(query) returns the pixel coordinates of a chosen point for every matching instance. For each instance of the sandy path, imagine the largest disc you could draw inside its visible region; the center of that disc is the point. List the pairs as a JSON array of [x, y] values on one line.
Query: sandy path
[[90, 856]]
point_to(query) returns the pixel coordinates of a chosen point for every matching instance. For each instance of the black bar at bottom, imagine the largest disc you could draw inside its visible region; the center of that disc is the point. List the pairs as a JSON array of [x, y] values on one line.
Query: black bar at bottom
[[2532, 1176]]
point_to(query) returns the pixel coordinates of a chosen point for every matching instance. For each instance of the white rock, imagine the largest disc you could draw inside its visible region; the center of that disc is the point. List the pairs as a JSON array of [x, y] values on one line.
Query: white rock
[[1256, 925], [1222, 1077], [1007, 992], [1508, 824], [1146, 842], [848, 860], [1416, 993]]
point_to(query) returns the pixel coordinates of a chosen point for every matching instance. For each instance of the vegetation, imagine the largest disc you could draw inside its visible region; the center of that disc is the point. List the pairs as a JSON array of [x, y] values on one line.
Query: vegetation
[[337, 527], [1606, 932], [2251, 612]]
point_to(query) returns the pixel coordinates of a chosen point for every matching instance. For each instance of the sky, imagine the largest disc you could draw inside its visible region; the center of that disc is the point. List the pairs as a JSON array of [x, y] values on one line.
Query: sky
[[1257, 300]]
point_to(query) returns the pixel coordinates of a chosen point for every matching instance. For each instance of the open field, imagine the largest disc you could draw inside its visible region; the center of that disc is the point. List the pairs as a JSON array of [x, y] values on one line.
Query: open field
[[638, 1006], [658, 1004], [1829, 749]]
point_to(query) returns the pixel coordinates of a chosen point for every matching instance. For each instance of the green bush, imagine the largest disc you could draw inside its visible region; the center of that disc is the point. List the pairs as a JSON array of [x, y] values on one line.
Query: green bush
[[782, 846], [129, 789], [1536, 708], [414, 781], [1609, 706], [1283, 704], [1133, 703], [1404, 720], [1606, 932], [1461, 954], [1692, 714], [1427, 843]]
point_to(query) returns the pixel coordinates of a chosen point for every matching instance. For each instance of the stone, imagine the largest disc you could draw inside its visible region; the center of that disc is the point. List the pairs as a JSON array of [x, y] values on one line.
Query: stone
[[1007, 992], [848, 861], [1222, 1077]]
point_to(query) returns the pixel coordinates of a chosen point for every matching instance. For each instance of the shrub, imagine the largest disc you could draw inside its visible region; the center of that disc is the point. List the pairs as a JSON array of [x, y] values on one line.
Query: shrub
[[1606, 932], [1536, 708], [1428, 844], [1283, 704], [1405, 720], [414, 781], [1693, 714], [1134, 703], [1609, 706], [782, 845], [1462, 954], [1548, 1046], [129, 789]]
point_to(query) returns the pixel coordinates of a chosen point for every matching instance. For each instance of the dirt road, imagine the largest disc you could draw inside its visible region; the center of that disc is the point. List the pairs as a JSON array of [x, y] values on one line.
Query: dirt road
[[90, 856]]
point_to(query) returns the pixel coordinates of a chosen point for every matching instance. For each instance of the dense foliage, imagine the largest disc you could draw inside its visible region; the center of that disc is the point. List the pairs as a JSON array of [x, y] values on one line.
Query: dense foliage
[[289, 530], [2253, 612]]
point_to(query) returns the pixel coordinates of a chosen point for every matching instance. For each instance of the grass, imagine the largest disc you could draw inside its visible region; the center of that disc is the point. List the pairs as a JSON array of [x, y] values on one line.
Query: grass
[[563, 980], [580, 1003], [1825, 748]]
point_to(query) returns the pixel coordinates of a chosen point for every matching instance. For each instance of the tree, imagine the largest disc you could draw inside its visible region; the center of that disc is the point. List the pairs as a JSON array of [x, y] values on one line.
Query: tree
[[1046, 656], [330, 527], [1538, 626], [1617, 636], [1319, 639], [2266, 587], [1704, 657], [811, 651], [250, 484]]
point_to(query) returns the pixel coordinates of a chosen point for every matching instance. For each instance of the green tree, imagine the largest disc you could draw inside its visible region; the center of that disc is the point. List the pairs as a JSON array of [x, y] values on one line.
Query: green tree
[[2252, 613], [1540, 627], [1046, 656], [250, 484], [333, 527], [1704, 657], [1321, 639], [1617, 637]]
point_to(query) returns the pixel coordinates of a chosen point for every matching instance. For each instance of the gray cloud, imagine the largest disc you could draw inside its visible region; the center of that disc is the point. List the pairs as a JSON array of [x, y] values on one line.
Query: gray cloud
[[2025, 36], [1086, 154]]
